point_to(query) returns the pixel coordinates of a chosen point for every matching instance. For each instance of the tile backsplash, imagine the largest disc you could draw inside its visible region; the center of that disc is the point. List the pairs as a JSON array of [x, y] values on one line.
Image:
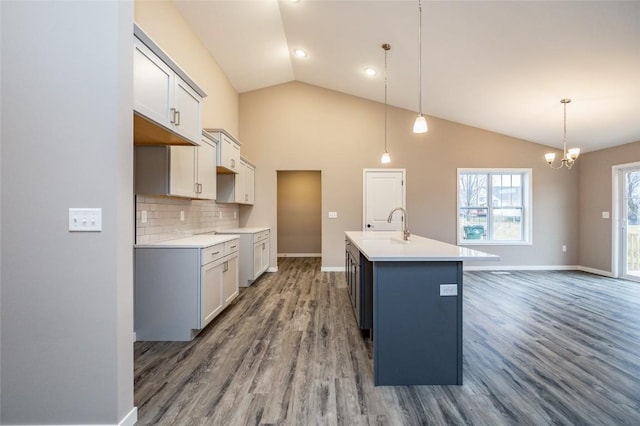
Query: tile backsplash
[[163, 217]]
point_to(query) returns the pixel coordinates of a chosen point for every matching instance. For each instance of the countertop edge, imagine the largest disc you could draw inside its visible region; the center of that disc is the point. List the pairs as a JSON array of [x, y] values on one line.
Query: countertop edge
[[179, 244]]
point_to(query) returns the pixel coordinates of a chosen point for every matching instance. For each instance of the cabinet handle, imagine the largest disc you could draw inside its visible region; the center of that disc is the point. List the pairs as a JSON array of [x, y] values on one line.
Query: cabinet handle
[[177, 120], [199, 188], [173, 116], [233, 247], [233, 163], [226, 267], [214, 253]]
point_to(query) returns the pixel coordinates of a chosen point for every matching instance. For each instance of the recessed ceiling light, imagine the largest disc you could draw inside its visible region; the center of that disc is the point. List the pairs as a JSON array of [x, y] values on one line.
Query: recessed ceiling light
[[300, 53], [371, 72]]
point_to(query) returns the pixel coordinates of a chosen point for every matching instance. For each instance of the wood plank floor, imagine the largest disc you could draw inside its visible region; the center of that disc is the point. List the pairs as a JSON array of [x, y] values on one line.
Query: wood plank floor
[[539, 348]]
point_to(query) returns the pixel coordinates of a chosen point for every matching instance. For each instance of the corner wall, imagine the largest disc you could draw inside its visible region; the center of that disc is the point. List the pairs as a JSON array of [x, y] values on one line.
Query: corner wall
[[595, 196], [67, 297], [296, 126]]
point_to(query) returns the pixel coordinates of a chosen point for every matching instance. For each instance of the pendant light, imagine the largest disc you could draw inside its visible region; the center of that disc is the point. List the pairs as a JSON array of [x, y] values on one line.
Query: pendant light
[[386, 159], [420, 125], [568, 157]]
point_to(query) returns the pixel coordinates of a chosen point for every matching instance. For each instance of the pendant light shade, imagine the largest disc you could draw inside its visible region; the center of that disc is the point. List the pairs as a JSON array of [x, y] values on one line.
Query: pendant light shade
[[386, 158], [420, 125]]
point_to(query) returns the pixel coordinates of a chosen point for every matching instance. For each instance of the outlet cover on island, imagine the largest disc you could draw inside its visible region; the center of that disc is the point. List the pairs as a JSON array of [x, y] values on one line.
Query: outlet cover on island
[[333, 215]]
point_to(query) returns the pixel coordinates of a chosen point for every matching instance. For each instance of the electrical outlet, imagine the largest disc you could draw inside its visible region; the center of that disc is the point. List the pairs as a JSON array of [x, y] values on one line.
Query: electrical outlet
[[235, 214], [143, 216], [448, 289], [605, 215], [181, 215], [220, 214], [564, 248]]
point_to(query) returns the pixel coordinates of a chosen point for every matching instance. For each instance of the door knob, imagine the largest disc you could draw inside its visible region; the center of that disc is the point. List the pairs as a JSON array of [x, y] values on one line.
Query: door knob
[[369, 225]]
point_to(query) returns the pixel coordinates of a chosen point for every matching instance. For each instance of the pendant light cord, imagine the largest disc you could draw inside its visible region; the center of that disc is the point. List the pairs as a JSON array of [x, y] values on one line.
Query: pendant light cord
[[386, 48], [420, 54]]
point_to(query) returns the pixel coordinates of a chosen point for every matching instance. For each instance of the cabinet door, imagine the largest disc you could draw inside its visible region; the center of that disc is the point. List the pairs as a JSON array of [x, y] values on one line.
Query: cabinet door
[[249, 184], [206, 170], [152, 85], [239, 183], [211, 301], [182, 171], [230, 154], [257, 259], [230, 280], [187, 116], [265, 255]]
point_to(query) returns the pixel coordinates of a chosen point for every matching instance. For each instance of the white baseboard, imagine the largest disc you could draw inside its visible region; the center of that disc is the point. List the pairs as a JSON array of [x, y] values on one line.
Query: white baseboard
[[523, 268], [272, 269], [130, 419], [332, 269], [299, 254], [507, 268], [596, 271]]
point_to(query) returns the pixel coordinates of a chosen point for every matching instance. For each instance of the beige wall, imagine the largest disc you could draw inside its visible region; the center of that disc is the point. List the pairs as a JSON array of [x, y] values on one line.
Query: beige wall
[[296, 126], [299, 203], [595, 196], [164, 24]]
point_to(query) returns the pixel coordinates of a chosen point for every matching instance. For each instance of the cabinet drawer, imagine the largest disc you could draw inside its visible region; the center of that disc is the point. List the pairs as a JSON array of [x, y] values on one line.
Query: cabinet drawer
[[212, 253], [231, 246], [261, 236]]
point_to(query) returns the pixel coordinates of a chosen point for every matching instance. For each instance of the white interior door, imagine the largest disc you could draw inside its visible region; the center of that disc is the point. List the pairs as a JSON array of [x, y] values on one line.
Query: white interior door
[[384, 190]]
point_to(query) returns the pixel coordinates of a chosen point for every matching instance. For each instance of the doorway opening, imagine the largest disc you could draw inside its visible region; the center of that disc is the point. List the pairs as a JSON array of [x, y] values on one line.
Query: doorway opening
[[626, 230], [299, 200]]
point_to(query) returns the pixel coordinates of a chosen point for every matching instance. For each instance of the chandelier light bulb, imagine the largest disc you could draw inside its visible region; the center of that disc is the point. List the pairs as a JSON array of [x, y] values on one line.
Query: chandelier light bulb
[[386, 158]]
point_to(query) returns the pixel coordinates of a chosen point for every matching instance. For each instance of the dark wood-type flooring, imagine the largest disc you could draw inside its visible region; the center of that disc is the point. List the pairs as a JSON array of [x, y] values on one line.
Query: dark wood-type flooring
[[539, 348]]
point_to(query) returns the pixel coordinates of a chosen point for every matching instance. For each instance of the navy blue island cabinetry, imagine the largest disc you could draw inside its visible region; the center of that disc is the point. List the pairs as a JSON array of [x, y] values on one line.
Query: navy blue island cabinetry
[[416, 306]]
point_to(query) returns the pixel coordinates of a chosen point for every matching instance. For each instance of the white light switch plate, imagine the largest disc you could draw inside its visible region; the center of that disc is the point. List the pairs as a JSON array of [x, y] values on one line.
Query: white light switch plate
[[85, 220], [448, 289], [333, 215]]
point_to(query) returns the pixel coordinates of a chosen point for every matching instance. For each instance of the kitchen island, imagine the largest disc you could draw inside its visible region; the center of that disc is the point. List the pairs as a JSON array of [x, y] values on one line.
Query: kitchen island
[[416, 306]]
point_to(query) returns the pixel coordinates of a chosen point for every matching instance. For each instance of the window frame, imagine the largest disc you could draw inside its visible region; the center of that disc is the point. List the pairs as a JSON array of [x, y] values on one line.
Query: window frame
[[527, 207]]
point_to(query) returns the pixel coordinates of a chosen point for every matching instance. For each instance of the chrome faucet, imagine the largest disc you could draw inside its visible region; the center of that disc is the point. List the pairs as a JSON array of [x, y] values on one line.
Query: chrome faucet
[[405, 220]]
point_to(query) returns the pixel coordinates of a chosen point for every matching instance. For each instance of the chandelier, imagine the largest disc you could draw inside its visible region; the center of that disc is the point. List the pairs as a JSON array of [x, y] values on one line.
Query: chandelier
[[568, 157]]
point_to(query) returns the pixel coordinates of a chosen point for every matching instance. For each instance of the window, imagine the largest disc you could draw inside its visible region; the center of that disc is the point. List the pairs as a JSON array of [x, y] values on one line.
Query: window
[[494, 206]]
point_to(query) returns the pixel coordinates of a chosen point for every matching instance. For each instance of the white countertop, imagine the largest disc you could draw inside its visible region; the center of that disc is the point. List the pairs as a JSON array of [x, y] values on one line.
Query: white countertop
[[247, 230], [193, 241], [389, 246]]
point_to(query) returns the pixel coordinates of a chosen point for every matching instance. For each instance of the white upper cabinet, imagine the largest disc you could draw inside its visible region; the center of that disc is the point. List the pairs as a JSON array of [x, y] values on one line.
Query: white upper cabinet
[[177, 171], [166, 102], [206, 168], [237, 188], [228, 151]]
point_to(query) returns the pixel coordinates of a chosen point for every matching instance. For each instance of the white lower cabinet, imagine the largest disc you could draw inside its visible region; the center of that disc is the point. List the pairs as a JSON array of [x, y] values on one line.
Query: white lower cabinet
[[179, 290], [254, 252], [210, 291]]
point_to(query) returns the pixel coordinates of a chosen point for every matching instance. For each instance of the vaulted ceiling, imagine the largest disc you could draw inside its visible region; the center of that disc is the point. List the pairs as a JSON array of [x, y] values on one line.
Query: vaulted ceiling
[[501, 66]]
